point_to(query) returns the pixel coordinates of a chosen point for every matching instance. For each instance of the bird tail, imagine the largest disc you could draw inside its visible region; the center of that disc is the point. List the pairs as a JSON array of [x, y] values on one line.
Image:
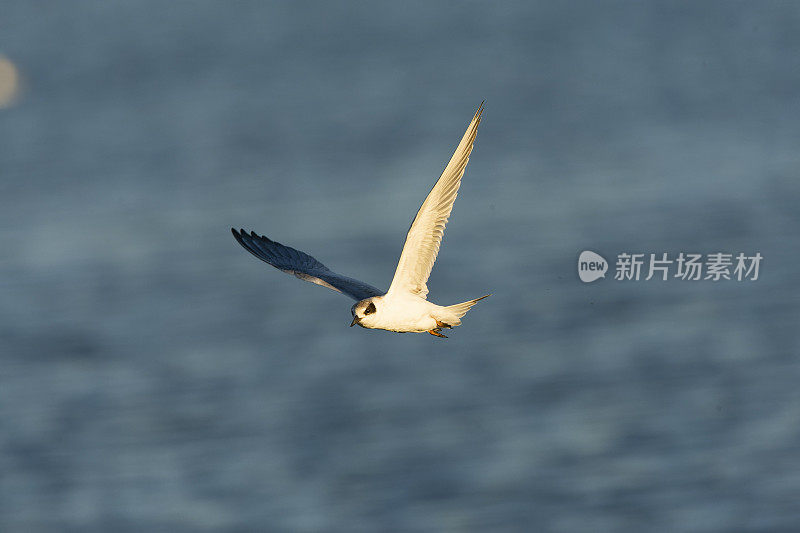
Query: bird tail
[[461, 309]]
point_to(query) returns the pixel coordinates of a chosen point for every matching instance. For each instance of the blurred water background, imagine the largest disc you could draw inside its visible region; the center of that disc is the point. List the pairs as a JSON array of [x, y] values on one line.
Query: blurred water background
[[156, 377]]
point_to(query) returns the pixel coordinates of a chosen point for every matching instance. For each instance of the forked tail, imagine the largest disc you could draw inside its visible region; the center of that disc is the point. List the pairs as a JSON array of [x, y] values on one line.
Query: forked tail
[[461, 309]]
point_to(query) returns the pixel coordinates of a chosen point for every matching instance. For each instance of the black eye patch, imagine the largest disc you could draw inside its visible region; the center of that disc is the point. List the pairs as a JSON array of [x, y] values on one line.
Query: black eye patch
[[370, 309]]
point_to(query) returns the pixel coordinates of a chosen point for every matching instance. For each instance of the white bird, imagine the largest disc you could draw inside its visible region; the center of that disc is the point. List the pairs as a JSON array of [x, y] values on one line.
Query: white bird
[[404, 307]]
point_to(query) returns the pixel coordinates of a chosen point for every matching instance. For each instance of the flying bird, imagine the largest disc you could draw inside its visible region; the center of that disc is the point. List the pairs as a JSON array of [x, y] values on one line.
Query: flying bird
[[404, 307]]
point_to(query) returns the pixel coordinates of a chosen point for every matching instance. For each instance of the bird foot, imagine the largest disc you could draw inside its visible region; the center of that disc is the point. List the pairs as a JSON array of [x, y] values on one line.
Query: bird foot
[[435, 332], [442, 325]]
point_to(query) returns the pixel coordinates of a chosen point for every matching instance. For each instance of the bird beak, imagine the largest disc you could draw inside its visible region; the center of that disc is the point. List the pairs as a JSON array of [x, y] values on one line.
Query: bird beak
[[354, 322]]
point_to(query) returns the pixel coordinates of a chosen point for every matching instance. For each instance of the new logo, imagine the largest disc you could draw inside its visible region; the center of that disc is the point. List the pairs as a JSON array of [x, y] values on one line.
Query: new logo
[[591, 266]]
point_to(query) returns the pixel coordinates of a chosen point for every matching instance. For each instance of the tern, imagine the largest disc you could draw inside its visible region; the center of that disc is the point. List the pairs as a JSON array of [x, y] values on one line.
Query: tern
[[404, 308]]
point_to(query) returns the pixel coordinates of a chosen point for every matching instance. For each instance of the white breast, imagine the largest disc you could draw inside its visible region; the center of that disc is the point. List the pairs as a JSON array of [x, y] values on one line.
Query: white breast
[[403, 313]]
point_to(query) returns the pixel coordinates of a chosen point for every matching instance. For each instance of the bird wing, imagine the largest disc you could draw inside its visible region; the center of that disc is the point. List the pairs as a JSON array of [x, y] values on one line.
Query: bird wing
[[425, 235], [302, 265]]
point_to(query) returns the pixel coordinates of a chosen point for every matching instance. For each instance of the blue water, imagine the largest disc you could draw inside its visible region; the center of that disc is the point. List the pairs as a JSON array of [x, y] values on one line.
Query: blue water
[[156, 377]]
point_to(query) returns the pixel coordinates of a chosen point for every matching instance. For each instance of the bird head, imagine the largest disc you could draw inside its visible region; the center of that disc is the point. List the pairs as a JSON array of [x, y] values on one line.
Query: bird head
[[363, 312]]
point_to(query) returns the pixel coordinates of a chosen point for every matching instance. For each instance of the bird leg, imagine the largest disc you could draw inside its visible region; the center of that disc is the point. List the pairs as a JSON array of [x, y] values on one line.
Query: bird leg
[[435, 332], [442, 325]]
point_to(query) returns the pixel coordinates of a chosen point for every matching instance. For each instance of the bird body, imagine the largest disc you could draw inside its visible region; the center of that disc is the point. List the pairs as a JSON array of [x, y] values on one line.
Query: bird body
[[408, 313], [404, 313], [404, 307]]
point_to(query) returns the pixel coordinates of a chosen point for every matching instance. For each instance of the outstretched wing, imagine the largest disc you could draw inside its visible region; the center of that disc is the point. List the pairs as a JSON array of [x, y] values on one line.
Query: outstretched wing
[[425, 235], [302, 265]]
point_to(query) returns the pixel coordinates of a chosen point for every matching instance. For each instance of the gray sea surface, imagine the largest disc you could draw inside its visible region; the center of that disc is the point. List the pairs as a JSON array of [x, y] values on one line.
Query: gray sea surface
[[156, 377]]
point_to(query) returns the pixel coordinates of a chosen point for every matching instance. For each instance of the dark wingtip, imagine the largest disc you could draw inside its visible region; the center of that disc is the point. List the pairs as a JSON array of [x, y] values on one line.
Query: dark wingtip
[[242, 235], [238, 235]]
